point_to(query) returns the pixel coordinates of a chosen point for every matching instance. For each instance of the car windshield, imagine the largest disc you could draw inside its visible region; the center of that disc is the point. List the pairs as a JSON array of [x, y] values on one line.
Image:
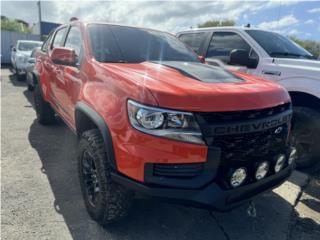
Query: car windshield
[[279, 46], [121, 44], [28, 46]]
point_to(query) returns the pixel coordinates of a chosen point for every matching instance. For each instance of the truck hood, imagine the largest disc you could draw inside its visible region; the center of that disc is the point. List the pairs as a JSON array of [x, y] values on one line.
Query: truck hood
[[24, 53], [199, 87], [295, 68]]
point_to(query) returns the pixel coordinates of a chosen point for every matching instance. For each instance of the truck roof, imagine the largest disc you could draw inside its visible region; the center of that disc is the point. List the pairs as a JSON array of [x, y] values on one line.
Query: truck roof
[[28, 41], [110, 23], [222, 28]]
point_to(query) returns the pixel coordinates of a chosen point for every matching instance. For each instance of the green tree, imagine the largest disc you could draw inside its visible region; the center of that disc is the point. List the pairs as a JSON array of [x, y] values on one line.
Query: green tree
[[217, 23], [310, 45], [14, 26]]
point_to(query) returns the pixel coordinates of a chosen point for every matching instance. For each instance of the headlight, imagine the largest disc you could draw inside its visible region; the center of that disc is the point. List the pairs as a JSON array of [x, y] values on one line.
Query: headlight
[[164, 123]]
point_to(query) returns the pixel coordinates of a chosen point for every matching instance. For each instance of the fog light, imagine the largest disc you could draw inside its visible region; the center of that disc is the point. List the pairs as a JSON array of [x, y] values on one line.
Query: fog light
[[262, 170], [293, 155], [280, 163], [238, 177]]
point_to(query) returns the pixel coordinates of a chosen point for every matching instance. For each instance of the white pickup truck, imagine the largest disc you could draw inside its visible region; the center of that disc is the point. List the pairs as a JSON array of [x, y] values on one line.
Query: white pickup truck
[[274, 57]]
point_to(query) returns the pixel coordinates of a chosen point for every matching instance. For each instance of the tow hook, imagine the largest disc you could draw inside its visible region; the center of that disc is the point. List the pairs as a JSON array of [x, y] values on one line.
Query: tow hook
[[251, 211]]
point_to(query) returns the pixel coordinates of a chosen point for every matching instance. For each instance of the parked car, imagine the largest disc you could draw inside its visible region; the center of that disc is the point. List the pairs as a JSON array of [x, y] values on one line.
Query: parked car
[[20, 54], [151, 118], [29, 69], [274, 57]]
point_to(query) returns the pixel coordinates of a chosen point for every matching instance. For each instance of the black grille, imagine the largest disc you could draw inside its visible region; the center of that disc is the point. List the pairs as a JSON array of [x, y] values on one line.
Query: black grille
[[222, 117], [177, 170], [245, 149]]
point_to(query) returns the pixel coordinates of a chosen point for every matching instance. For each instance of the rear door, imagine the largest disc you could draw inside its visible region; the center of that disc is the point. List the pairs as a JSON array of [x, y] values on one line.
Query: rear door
[[55, 71], [41, 67]]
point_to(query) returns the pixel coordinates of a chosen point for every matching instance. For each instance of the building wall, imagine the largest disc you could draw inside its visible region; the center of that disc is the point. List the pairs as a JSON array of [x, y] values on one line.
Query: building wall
[[47, 27], [8, 39]]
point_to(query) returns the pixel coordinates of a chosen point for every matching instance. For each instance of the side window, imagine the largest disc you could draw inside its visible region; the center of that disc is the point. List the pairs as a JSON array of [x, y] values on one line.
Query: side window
[[33, 53], [74, 41], [45, 45], [222, 43], [193, 40], [58, 38]]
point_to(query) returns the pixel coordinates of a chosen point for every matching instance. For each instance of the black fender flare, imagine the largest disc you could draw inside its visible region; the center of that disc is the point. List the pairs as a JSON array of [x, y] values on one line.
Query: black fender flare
[[96, 118], [36, 75]]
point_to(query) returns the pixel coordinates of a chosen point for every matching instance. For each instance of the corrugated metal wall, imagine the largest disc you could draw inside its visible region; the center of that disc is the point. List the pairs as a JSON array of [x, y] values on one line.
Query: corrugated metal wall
[[8, 39]]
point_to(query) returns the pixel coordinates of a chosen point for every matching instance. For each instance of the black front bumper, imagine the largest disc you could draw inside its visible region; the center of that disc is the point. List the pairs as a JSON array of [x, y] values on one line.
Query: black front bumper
[[212, 196]]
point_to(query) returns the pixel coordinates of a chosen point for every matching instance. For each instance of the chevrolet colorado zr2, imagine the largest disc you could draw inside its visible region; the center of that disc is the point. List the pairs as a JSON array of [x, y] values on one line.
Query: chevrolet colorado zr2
[[152, 119], [274, 57]]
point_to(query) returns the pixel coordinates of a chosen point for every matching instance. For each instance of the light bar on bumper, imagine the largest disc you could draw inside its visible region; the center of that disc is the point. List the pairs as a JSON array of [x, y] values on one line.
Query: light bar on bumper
[[176, 125]]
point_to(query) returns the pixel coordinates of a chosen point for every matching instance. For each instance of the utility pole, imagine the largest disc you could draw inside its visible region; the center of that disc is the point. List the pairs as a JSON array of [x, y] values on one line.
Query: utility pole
[[39, 9]]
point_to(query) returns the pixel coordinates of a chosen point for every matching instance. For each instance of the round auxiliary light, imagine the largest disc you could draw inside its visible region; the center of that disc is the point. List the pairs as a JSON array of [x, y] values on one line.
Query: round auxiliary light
[[262, 170], [238, 177], [280, 162], [293, 155]]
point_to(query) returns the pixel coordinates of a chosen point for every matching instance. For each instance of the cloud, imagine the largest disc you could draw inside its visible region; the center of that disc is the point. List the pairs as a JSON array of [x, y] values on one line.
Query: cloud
[[164, 15], [285, 21], [310, 21], [293, 32], [314, 10], [171, 16]]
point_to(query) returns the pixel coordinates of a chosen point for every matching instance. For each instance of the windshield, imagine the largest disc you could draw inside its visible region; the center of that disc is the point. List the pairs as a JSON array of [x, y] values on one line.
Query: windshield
[[28, 46], [279, 46], [111, 43]]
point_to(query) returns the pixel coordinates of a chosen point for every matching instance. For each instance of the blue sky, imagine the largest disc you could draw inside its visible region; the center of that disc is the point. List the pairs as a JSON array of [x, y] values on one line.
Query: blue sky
[[303, 19], [299, 18]]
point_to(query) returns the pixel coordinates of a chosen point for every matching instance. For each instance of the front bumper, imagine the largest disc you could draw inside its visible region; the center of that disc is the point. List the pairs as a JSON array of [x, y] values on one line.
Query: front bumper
[[212, 196], [21, 66]]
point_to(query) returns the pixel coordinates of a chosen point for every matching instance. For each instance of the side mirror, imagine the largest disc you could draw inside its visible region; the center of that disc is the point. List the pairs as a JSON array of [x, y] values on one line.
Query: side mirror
[[201, 59], [63, 56], [31, 60], [14, 49], [241, 57]]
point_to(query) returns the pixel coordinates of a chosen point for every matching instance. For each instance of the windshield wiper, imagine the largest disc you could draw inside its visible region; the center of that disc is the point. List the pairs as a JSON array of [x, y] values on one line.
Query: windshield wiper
[[272, 54], [285, 54], [117, 61]]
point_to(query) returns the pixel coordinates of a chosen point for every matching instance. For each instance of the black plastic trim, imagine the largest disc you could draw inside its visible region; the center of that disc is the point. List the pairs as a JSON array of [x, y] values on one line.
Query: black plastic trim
[[210, 168], [212, 196], [36, 74], [102, 126]]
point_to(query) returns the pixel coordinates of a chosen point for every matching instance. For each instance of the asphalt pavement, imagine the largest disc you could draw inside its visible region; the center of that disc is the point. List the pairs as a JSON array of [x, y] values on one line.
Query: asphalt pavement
[[41, 196]]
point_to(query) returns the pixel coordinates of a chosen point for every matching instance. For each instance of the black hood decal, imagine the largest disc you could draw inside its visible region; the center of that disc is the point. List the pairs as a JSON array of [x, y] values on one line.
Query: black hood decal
[[202, 72]]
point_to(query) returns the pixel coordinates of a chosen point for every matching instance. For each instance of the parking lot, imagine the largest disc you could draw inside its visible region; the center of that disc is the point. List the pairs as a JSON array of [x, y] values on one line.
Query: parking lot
[[41, 196]]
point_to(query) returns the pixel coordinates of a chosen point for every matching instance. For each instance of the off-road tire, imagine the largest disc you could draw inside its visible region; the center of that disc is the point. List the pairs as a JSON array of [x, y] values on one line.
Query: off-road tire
[[30, 87], [19, 77], [45, 113], [306, 125], [113, 200]]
